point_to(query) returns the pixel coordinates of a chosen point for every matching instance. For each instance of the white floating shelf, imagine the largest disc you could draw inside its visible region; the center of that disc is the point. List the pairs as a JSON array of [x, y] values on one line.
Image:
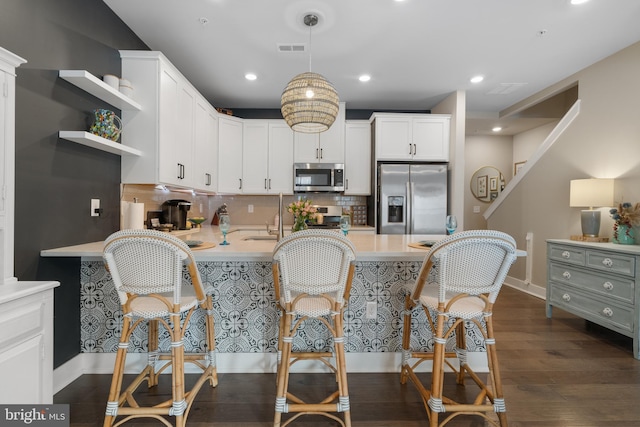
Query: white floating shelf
[[95, 141], [96, 87]]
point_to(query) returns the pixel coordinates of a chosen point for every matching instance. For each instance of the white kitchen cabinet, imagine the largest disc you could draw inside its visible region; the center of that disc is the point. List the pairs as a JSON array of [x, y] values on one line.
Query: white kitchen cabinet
[[26, 342], [324, 147], [267, 157], [230, 131], [206, 146], [412, 137], [165, 130], [8, 64], [357, 163]]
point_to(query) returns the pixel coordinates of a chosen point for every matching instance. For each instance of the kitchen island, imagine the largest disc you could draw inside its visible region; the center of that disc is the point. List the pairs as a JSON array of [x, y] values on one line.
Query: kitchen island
[[246, 314]]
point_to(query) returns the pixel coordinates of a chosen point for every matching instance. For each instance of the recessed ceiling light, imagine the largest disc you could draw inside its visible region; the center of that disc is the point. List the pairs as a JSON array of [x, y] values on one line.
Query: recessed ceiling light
[[578, 1], [250, 76], [364, 78], [497, 129], [477, 79]]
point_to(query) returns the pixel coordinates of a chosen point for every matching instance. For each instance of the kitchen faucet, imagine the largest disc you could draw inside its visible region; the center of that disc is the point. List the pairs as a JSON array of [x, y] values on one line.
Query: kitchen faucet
[[279, 232]]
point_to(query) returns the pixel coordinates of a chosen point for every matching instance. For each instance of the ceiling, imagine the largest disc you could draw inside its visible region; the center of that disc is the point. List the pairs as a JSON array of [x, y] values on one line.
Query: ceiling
[[417, 52]]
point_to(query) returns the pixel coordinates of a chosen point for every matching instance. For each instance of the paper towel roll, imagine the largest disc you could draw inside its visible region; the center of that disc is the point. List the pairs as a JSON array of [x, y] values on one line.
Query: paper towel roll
[[133, 216]]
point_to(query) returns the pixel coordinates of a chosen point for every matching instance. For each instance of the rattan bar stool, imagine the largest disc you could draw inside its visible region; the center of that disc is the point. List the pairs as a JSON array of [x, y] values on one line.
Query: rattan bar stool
[[457, 286], [148, 270], [312, 273]]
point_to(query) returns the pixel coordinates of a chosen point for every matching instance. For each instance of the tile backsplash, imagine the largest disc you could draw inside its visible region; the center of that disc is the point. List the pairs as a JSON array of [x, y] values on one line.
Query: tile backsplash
[[264, 207]]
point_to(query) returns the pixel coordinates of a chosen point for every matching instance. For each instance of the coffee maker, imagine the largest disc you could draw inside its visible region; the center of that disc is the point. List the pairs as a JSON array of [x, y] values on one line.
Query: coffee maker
[[175, 212]]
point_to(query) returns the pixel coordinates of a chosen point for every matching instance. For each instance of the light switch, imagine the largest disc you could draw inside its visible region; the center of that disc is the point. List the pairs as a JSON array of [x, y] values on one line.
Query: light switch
[[476, 209], [95, 207], [250, 208]]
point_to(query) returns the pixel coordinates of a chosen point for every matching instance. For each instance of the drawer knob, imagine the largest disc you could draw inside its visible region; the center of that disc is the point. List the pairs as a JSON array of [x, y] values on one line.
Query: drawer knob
[[566, 254], [607, 312], [607, 262], [566, 297], [608, 286], [566, 275]]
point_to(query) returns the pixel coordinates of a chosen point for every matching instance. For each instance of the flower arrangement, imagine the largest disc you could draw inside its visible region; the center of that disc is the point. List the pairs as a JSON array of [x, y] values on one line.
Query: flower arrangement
[[302, 211], [626, 214]]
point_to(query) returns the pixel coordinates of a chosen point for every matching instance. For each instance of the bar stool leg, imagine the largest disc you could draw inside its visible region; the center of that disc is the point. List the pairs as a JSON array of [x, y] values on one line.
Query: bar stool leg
[[283, 368], [494, 372], [177, 370], [152, 352], [437, 375], [211, 342], [344, 405], [118, 372]]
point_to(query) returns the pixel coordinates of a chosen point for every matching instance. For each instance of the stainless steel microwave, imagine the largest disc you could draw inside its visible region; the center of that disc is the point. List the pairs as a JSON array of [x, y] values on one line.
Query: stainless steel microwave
[[318, 177]]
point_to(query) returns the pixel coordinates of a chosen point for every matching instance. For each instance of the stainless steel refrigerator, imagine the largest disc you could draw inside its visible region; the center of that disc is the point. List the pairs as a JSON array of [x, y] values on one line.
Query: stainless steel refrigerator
[[412, 198]]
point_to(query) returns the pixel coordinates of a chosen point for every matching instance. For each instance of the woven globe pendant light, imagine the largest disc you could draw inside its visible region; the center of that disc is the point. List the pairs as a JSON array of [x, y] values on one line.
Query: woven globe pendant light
[[309, 103]]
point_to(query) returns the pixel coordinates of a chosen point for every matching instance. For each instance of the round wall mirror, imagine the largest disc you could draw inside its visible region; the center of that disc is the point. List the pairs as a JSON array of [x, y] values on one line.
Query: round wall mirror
[[487, 183]]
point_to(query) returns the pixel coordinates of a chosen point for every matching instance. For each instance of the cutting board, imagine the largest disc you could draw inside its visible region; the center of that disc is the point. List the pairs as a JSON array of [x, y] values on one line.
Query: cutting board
[[204, 245]]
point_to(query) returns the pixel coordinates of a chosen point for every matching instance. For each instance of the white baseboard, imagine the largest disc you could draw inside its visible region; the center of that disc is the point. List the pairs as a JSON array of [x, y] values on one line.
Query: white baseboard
[[102, 363], [529, 288]]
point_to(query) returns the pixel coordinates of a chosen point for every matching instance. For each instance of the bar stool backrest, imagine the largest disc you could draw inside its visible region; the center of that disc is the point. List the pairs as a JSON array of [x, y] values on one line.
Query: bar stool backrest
[[472, 262], [146, 262], [314, 262]]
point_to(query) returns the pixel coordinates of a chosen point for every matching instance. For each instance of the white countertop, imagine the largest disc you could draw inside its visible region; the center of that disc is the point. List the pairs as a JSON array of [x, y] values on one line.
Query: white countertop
[[369, 247]]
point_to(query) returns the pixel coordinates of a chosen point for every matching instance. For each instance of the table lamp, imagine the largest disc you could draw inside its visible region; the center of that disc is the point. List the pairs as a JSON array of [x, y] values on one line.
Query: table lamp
[[591, 193]]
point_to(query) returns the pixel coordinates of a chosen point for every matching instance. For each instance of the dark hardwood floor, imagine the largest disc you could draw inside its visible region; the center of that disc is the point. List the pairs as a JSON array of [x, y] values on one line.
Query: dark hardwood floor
[[559, 372]]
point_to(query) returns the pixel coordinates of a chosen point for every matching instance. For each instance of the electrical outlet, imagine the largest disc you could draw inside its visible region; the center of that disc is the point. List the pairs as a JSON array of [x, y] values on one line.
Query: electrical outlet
[[250, 208], [95, 207], [476, 209], [372, 310]]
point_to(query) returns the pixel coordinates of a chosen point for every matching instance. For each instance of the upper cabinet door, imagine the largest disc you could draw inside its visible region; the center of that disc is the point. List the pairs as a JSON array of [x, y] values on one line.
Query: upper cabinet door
[[431, 136], [206, 146], [357, 164], [393, 138], [280, 158], [255, 153], [229, 155]]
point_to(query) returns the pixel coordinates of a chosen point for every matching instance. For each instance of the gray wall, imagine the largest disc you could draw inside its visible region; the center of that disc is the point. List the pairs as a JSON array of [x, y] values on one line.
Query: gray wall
[[602, 142], [55, 179]]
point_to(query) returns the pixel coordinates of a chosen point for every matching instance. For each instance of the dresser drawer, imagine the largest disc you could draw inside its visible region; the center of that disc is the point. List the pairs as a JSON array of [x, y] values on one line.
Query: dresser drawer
[[612, 262], [567, 254], [602, 311], [607, 285]]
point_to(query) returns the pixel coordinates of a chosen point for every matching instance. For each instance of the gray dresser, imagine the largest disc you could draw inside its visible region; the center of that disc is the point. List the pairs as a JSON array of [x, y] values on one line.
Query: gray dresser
[[598, 282]]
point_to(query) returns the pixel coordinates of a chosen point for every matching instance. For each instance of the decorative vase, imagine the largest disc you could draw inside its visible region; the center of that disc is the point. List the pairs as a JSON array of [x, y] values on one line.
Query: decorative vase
[[299, 224], [624, 234], [106, 124]]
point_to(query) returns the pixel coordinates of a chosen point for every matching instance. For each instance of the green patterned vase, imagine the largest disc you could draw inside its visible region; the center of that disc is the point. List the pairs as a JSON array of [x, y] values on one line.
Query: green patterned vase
[[623, 234]]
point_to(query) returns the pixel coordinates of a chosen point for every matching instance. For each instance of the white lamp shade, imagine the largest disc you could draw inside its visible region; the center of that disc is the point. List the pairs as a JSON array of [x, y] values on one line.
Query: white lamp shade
[[591, 193]]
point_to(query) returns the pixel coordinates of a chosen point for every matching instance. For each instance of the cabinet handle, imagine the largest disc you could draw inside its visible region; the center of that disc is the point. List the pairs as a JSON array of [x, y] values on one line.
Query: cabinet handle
[[240, 188], [607, 312], [265, 183], [317, 154], [608, 286], [607, 262], [179, 171], [321, 154], [566, 254], [566, 297], [566, 275], [269, 183], [207, 178], [410, 149], [346, 184], [415, 149]]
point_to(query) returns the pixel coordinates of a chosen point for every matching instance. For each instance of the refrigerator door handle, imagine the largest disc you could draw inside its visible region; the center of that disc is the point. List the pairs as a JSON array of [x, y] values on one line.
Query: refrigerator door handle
[[408, 226]]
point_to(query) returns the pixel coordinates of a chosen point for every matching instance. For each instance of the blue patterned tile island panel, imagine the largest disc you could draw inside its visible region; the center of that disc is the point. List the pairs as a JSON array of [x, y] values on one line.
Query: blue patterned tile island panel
[[246, 312]]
